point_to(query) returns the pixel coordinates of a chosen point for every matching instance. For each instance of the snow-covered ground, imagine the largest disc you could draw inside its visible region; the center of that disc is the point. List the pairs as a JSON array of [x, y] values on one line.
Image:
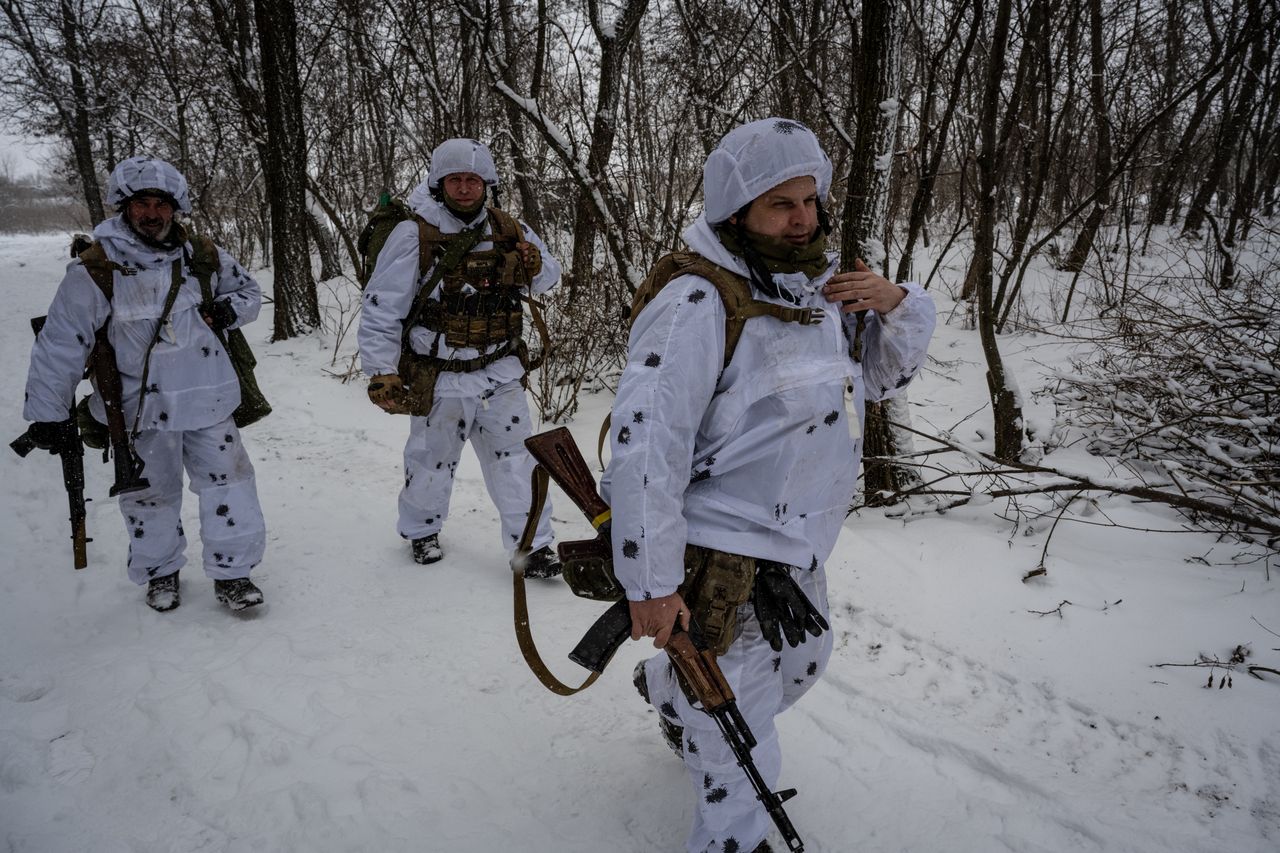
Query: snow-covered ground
[[376, 705]]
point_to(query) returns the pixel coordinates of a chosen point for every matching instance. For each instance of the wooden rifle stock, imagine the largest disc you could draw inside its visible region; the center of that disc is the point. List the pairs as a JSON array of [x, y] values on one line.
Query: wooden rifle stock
[[557, 452]]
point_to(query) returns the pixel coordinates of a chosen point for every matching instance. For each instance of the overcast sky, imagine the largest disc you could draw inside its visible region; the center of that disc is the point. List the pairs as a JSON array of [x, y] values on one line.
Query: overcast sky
[[22, 155]]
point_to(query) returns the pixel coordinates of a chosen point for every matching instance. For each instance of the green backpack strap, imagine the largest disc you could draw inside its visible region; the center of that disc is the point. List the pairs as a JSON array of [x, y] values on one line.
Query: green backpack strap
[[735, 292], [100, 268]]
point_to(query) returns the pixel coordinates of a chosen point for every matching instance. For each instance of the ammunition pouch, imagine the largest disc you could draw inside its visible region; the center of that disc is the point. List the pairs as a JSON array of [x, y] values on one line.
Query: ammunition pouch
[[715, 585], [475, 320], [492, 268]]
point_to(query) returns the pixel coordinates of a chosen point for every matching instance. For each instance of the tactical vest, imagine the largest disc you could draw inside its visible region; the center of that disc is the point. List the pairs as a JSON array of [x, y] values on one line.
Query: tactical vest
[[491, 312]]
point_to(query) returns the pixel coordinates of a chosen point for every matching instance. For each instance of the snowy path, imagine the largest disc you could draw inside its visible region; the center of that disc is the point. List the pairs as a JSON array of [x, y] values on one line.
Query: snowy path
[[373, 704]]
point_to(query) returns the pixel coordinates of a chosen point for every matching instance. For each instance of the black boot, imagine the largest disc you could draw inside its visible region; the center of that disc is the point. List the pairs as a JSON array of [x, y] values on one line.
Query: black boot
[[162, 593], [427, 549], [543, 563], [238, 593], [672, 734]]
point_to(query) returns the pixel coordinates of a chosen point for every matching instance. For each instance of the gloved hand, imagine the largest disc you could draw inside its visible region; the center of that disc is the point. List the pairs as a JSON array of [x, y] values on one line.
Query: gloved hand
[[532, 258], [386, 391], [219, 315], [782, 608], [53, 436]]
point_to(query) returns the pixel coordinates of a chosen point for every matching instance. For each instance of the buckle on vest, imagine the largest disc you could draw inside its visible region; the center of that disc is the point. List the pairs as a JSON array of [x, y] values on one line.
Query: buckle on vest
[[811, 316]]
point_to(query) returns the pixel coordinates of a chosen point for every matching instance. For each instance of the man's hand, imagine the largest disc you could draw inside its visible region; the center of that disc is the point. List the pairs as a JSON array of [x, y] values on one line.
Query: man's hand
[[219, 315], [386, 391], [656, 617], [53, 436], [863, 289], [531, 256]]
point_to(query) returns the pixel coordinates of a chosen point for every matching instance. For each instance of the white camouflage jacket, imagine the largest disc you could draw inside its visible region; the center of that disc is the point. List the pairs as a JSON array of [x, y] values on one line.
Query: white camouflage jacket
[[393, 286], [191, 383], [762, 458]]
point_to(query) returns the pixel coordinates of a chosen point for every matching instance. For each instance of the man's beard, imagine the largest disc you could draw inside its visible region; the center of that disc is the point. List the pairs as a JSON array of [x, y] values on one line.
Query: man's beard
[[154, 232]]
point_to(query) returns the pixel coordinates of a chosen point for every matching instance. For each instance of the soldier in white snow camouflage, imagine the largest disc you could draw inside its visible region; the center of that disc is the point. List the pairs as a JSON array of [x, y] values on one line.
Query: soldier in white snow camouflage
[[753, 461], [182, 419]]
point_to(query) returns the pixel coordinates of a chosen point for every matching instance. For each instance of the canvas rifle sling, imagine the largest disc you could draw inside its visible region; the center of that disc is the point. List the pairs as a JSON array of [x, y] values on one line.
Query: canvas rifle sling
[[539, 482]]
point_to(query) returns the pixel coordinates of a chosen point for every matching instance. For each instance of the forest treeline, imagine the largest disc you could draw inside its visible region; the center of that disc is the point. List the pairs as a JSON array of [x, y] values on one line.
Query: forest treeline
[[1023, 128]]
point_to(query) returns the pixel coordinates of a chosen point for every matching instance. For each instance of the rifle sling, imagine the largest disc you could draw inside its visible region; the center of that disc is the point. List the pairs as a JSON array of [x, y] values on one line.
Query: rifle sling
[[169, 299], [539, 482]]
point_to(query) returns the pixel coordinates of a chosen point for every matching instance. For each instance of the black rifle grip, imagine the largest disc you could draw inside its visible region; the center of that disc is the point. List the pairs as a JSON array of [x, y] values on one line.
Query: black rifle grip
[[598, 645]]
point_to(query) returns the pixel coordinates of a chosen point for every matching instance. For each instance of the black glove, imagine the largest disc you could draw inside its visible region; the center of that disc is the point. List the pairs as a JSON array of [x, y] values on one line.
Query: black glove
[[53, 436], [220, 315], [782, 608]]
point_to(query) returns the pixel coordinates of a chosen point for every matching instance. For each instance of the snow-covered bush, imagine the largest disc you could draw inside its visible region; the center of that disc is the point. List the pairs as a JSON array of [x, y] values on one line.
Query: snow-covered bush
[[1183, 388]]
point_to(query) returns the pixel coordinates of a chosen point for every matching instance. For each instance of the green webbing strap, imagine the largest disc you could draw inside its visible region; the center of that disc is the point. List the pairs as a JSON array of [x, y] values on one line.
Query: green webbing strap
[[524, 637], [787, 314]]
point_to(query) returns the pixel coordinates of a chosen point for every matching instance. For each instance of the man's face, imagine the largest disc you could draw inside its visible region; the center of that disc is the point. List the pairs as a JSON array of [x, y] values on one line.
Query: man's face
[[463, 188], [787, 212], [150, 215]]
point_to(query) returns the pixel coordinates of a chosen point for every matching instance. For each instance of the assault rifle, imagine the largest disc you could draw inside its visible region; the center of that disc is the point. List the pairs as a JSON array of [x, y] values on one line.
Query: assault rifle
[[71, 452], [128, 465], [699, 673]]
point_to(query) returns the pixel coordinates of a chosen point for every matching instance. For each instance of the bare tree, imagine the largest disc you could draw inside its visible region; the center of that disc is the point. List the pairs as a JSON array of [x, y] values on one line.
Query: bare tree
[[297, 308]]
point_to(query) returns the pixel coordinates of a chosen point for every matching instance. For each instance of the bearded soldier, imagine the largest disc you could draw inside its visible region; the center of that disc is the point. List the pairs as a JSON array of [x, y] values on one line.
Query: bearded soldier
[[179, 387], [440, 338], [736, 451]]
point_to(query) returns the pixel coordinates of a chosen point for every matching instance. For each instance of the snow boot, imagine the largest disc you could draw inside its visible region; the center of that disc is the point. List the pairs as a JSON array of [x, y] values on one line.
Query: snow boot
[[162, 593], [763, 848], [543, 563], [237, 593], [672, 734], [427, 549]]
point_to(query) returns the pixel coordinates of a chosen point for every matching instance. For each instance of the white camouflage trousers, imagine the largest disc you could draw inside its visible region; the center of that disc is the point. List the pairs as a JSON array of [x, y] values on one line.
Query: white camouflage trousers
[[727, 816], [497, 426], [220, 474]]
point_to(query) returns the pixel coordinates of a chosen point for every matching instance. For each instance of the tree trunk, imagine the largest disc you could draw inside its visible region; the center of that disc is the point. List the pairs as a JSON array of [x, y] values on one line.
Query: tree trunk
[[530, 210], [876, 87], [79, 129], [933, 149], [1079, 253], [297, 308], [875, 99], [614, 41], [326, 245], [1235, 122], [1006, 408]]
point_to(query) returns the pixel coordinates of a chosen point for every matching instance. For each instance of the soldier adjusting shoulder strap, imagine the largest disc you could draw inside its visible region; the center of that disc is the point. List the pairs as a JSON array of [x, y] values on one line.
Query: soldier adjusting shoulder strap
[[735, 292]]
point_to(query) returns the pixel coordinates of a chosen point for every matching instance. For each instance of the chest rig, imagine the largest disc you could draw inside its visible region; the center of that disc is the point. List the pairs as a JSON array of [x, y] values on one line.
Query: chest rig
[[479, 304]]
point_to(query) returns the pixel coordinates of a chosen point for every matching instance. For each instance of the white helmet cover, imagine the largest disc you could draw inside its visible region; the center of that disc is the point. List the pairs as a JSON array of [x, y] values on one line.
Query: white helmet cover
[[139, 174], [461, 155], [755, 158]]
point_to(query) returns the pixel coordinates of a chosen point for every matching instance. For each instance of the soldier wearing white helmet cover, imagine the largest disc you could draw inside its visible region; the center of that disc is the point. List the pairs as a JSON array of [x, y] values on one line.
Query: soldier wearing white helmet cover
[[161, 328], [749, 464], [465, 343]]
